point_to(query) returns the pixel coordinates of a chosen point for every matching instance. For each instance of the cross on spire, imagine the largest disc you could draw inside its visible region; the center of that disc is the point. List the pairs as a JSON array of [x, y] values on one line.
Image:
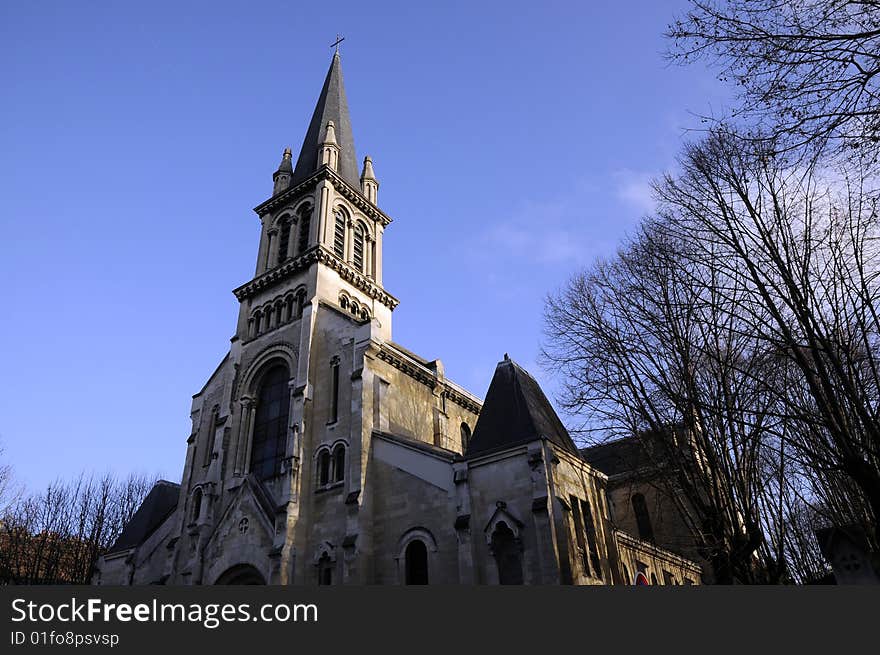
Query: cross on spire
[[339, 39]]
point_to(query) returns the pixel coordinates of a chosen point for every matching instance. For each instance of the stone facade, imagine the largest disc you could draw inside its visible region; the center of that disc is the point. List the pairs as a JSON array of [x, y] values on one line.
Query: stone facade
[[322, 452]]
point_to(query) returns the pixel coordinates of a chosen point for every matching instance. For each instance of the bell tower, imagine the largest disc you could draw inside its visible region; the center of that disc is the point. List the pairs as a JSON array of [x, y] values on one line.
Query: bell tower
[[315, 304], [323, 213]]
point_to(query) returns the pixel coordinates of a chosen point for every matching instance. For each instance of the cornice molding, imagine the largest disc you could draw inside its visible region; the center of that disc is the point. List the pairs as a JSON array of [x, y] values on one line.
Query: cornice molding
[[355, 278], [354, 196], [427, 377], [315, 255]]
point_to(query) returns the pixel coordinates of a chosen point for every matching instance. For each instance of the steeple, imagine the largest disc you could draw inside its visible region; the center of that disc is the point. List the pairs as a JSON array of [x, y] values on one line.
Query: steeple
[[332, 106]]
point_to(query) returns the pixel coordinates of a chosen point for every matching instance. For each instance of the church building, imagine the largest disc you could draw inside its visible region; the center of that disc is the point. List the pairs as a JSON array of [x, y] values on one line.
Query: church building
[[322, 452]]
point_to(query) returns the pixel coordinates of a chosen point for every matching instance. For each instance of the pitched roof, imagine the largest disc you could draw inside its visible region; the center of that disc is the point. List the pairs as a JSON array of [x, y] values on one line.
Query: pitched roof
[[646, 450], [332, 106], [616, 457], [158, 504], [516, 410]]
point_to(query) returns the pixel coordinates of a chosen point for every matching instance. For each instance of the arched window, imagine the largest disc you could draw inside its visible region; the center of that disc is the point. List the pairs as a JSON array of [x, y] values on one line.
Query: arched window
[[334, 390], [258, 322], [358, 247], [270, 424], [507, 555], [197, 504], [324, 468], [305, 219], [288, 305], [325, 570], [465, 436], [208, 454], [416, 562], [339, 463], [284, 240], [300, 303], [339, 233], [643, 519], [278, 315]]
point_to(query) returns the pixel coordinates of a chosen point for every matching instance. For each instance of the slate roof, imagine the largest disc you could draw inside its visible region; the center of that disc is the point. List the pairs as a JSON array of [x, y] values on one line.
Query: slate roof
[[616, 457], [515, 411], [332, 106], [157, 506]]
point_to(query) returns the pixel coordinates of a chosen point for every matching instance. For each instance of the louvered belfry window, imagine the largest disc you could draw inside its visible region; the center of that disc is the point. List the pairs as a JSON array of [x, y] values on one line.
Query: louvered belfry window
[[284, 240], [359, 248], [305, 219], [339, 234]]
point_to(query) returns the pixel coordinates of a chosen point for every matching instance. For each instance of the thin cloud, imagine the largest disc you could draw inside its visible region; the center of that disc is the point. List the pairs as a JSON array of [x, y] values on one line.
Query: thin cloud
[[634, 189]]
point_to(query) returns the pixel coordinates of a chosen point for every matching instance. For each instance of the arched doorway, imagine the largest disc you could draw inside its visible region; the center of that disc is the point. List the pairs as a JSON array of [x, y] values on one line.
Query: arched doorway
[[241, 574]]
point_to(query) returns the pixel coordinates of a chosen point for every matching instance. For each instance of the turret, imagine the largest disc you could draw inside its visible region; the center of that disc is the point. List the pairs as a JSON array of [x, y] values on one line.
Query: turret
[[284, 174], [369, 183], [328, 153]]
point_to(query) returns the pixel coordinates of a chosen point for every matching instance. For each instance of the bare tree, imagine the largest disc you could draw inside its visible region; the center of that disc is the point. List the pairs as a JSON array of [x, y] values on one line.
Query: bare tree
[[56, 537], [806, 70], [806, 248], [646, 349], [9, 491]]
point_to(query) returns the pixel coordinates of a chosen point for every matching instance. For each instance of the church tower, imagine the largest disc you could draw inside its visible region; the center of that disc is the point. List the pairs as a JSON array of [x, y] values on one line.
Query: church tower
[[283, 409]]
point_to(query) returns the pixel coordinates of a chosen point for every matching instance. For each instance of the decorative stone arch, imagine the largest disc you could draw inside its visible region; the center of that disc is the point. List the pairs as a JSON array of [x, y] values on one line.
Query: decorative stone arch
[[346, 209], [502, 514], [241, 574], [250, 379], [299, 301], [504, 540], [297, 207], [288, 213], [247, 391], [334, 460], [466, 434], [330, 450], [424, 535], [196, 504], [347, 213], [325, 563], [325, 548], [357, 219]]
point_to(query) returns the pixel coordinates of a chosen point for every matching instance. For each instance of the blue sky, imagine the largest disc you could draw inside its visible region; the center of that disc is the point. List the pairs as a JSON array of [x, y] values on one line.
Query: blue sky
[[514, 144]]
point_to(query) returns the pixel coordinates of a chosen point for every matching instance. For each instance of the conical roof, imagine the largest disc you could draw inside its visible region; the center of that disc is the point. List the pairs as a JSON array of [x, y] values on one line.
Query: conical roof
[[515, 411], [332, 106]]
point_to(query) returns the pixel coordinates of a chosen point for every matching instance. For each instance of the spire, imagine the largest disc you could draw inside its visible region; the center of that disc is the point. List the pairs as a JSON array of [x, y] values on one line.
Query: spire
[[282, 176], [332, 106]]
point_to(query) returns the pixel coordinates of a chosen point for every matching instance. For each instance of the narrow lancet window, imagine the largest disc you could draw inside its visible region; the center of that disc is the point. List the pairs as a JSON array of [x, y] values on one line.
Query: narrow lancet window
[[358, 247], [339, 234]]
